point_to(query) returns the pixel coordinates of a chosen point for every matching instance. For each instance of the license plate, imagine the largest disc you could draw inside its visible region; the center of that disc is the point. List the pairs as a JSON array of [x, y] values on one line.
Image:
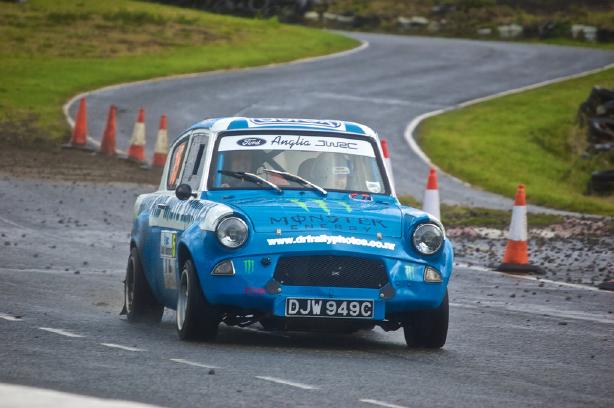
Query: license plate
[[296, 307]]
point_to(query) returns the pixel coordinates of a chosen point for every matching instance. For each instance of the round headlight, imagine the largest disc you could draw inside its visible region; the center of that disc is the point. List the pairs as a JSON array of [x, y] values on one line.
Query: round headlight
[[231, 232], [428, 238]]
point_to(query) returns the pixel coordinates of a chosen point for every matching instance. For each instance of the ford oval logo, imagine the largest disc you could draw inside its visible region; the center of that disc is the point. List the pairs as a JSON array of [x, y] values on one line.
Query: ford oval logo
[[251, 141]]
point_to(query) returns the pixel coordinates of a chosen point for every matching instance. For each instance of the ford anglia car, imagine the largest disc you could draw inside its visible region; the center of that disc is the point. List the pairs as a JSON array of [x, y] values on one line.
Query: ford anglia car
[[289, 223]]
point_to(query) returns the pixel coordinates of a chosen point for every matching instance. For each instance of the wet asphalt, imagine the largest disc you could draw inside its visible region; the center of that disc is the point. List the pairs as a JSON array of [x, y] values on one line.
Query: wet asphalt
[[64, 246], [384, 86]]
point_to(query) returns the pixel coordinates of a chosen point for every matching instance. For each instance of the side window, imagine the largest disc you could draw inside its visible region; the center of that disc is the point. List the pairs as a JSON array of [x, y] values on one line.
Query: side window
[[174, 168], [195, 162]]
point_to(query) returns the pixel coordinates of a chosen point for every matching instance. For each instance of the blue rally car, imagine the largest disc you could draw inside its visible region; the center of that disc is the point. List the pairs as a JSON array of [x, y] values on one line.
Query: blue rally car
[[290, 223]]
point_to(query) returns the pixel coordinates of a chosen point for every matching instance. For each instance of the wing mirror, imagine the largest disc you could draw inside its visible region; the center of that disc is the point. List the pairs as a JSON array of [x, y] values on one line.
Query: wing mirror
[[184, 191]]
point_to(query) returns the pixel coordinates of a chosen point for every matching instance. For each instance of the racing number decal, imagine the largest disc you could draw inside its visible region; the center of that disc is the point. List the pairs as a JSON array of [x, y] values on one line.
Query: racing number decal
[[168, 255]]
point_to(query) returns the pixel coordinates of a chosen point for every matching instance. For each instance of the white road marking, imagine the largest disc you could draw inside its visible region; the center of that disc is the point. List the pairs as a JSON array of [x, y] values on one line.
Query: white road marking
[[381, 403], [60, 332], [192, 363], [285, 382], [119, 346], [478, 268], [9, 317]]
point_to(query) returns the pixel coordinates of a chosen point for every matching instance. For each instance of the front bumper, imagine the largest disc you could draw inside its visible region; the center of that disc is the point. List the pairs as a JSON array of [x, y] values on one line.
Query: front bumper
[[249, 288]]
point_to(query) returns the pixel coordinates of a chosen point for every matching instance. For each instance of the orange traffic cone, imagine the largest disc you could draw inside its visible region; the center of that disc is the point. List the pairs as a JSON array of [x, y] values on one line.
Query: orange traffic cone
[[430, 204], [161, 149], [387, 161], [79, 133], [107, 146], [136, 151], [516, 257]]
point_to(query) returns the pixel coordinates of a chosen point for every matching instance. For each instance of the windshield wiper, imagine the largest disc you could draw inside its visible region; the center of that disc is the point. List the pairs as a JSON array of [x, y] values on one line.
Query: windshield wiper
[[298, 179], [250, 177]]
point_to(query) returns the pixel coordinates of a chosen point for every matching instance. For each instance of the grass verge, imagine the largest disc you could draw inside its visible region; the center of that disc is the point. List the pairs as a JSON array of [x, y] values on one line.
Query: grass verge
[[53, 49], [529, 138]]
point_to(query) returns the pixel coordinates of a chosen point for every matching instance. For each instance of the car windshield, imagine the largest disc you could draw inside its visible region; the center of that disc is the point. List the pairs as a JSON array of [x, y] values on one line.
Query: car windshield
[[328, 162]]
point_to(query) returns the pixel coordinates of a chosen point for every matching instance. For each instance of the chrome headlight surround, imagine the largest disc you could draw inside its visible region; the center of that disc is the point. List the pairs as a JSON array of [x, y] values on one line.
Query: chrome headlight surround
[[428, 238], [232, 232]]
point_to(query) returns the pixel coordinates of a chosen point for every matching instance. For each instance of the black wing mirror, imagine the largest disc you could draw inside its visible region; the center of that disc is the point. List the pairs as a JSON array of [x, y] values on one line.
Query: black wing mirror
[[183, 192]]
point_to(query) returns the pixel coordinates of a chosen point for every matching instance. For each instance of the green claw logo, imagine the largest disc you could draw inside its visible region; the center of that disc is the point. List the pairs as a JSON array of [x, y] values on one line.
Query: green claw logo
[[300, 204], [322, 204], [248, 265]]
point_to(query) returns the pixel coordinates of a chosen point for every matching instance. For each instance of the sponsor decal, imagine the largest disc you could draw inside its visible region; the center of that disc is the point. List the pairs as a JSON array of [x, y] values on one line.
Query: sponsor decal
[[332, 124], [168, 244], [331, 240], [374, 186], [168, 253], [360, 197], [169, 272], [409, 272], [251, 141], [297, 142], [341, 223], [255, 291], [248, 265], [178, 215], [290, 141]]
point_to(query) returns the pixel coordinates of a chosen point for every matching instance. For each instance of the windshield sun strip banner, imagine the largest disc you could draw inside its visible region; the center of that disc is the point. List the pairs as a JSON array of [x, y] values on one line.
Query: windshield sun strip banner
[[298, 143], [330, 240]]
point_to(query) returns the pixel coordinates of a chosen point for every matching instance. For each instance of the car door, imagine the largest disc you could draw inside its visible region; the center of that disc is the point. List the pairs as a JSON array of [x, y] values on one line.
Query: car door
[[160, 246], [186, 166]]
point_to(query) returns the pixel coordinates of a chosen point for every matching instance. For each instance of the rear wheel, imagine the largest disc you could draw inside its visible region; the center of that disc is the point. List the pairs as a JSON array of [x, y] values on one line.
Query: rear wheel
[[196, 318], [140, 303], [427, 328]]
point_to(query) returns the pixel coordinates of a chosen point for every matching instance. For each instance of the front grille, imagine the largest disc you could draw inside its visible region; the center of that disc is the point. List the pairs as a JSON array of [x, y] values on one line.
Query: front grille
[[328, 270]]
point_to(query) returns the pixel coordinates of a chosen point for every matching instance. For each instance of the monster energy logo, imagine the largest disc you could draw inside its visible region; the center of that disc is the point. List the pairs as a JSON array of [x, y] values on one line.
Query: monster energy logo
[[248, 265]]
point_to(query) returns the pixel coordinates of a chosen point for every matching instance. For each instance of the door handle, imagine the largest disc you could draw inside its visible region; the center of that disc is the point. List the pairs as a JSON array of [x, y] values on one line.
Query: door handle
[[162, 206]]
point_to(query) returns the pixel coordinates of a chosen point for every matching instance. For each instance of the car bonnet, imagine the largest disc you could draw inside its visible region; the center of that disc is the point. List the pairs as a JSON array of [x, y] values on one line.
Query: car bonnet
[[341, 216]]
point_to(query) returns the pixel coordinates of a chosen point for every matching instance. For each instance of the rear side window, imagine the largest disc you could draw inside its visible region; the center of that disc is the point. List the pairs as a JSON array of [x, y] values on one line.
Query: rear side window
[[194, 163], [174, 169]]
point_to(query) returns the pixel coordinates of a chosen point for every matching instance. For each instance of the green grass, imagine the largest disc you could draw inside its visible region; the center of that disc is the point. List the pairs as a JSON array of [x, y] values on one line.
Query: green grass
[[528, 138], [53, 49]]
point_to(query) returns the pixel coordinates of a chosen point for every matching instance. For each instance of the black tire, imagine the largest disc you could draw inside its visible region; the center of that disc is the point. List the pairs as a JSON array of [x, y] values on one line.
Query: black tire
[[196, 318], [140, 303], [427, 328]]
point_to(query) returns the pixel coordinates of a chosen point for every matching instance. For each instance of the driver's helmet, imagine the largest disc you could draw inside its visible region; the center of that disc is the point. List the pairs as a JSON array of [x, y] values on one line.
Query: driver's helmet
[[332, 170]]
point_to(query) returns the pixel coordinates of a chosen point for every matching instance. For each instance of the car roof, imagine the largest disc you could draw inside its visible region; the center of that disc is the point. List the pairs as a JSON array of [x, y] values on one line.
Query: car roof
[[243, 123]]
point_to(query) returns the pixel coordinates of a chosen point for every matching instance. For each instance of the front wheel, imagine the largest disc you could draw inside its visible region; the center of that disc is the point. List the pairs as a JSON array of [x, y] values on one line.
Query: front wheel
[[427, 328], [140, 303], [196, 318]]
